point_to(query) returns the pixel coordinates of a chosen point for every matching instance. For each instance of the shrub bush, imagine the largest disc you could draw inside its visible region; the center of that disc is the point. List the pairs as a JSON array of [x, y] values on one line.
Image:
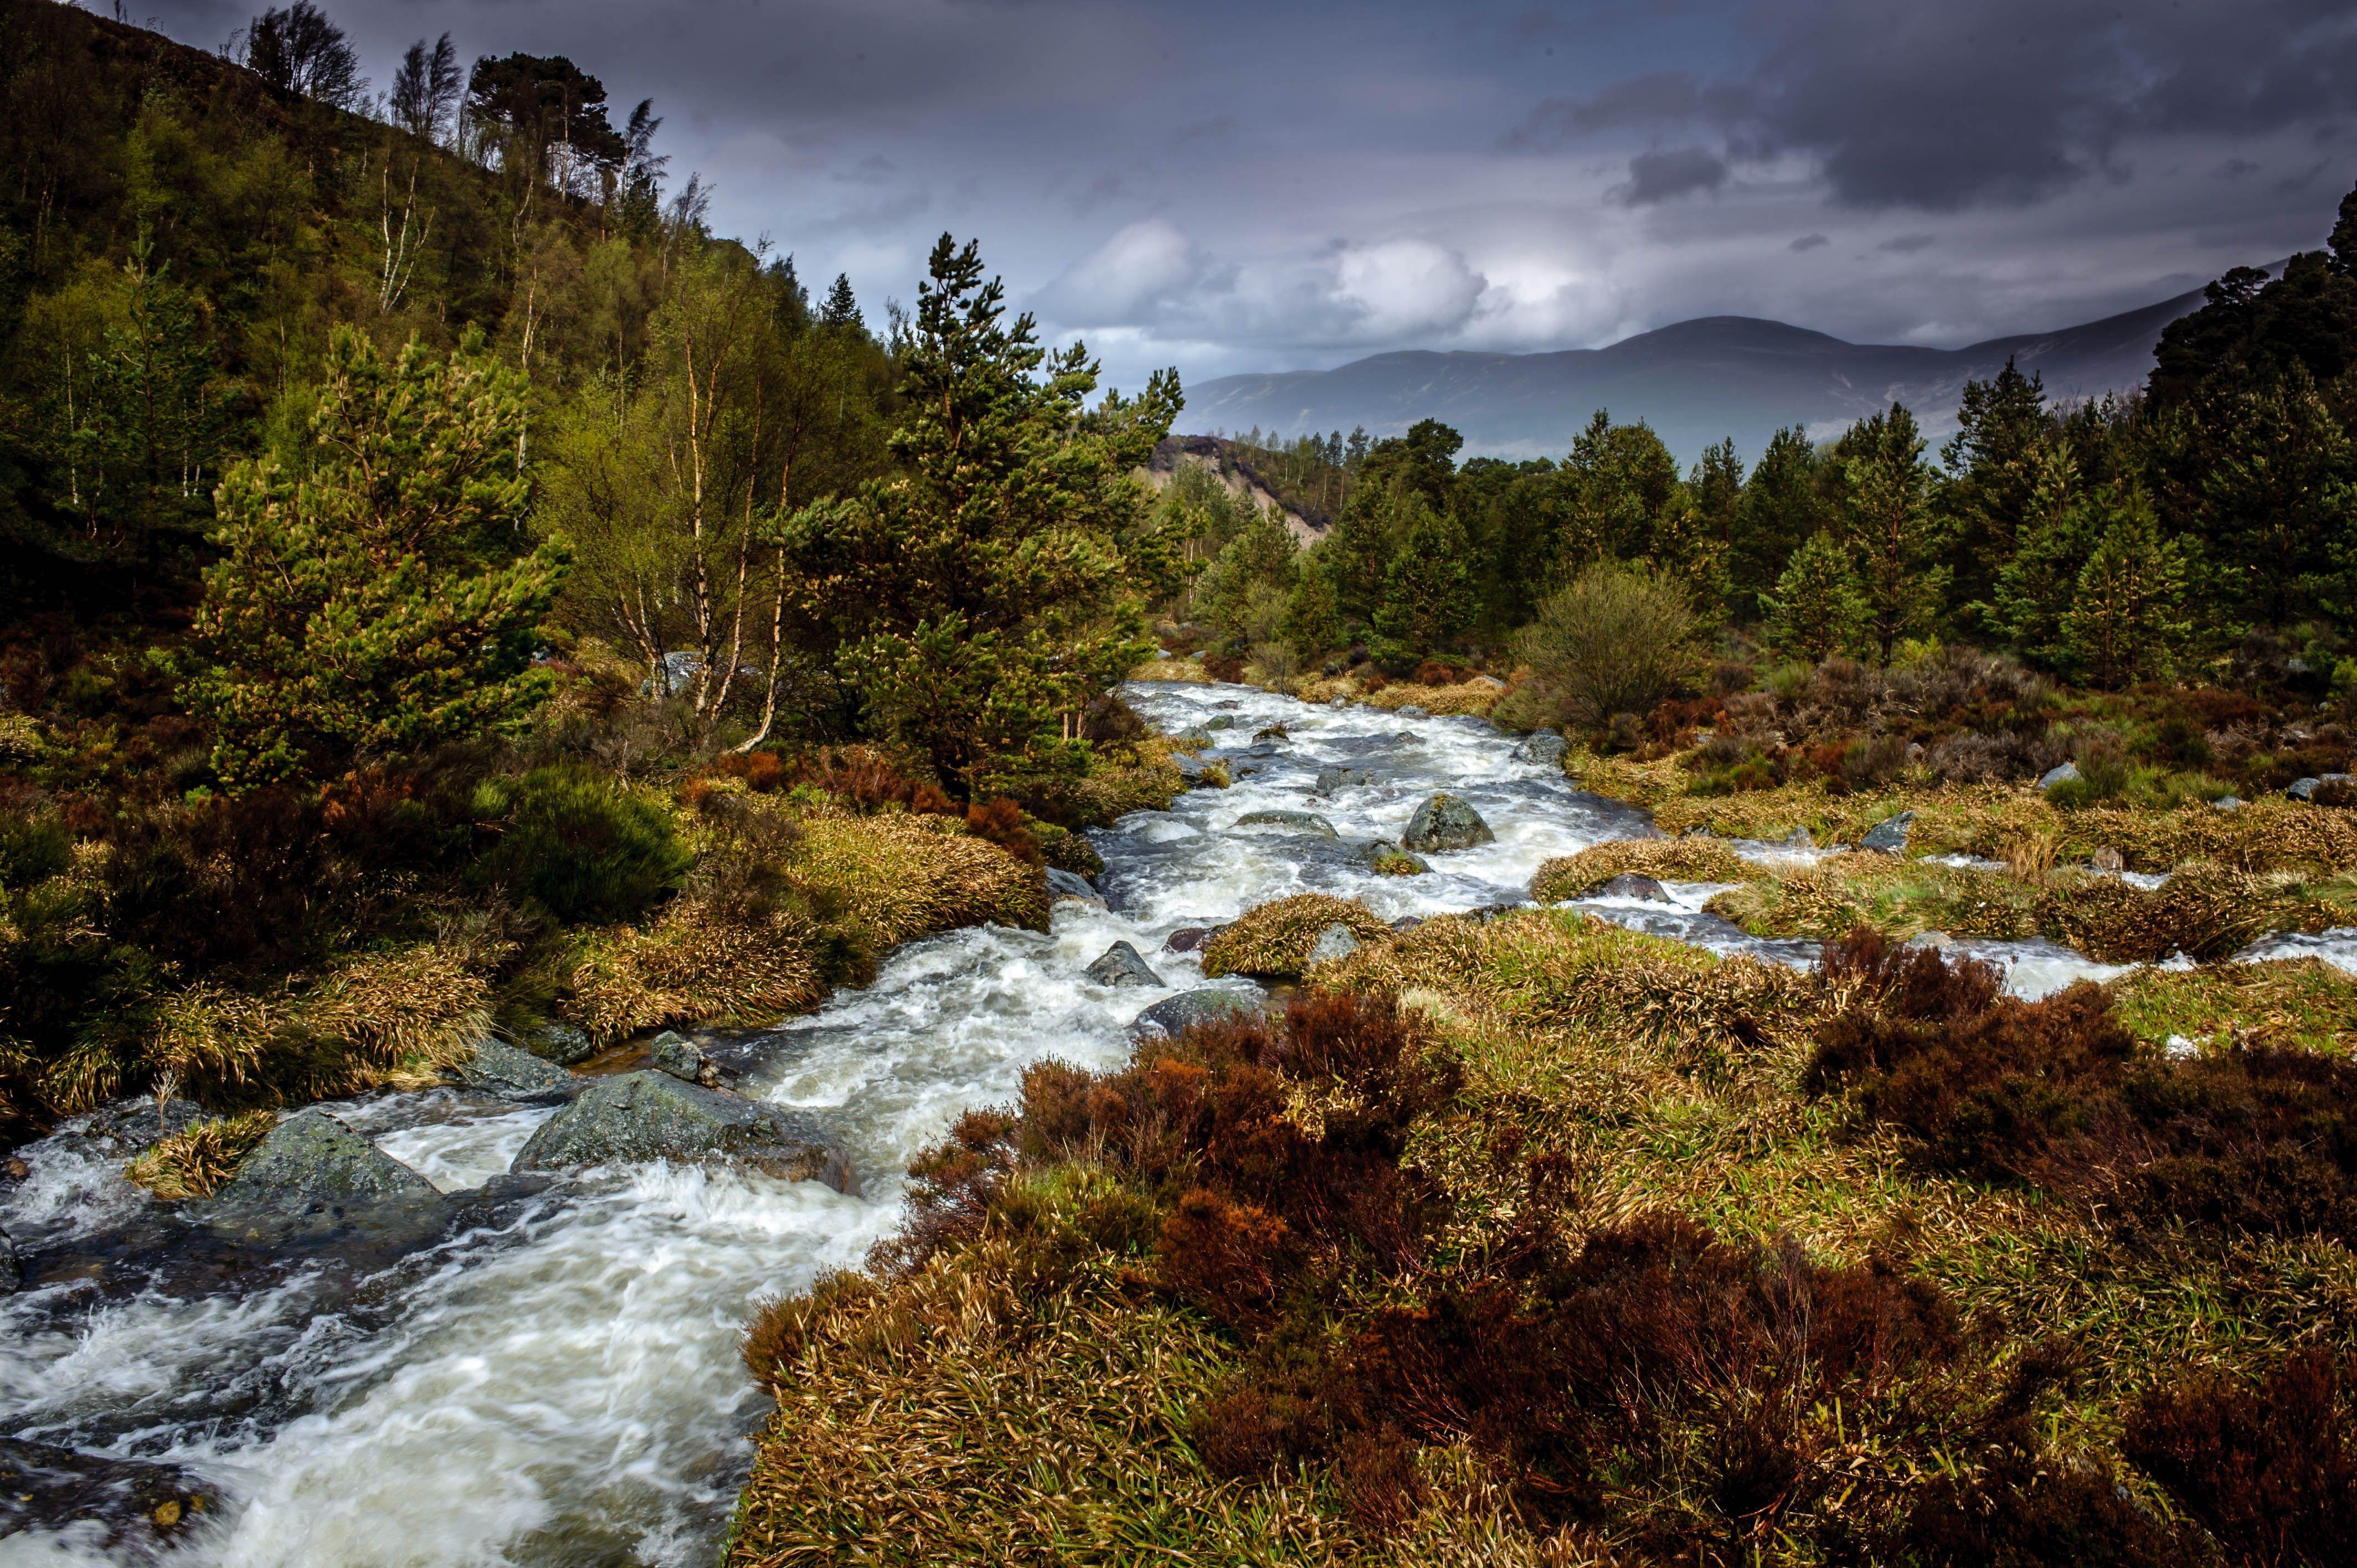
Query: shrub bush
[[2270, 1468], [1618, 639], [33, 845], [582, 848]]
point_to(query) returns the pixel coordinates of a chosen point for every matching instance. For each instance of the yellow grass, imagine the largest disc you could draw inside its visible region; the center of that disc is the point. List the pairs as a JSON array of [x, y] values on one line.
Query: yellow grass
[[196, 1161], [1188, 671], [1274, 938]]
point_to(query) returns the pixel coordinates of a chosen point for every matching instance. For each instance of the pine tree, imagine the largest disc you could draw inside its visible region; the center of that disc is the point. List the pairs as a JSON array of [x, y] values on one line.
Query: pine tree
[[2127, 619], [2034, 589], [1428, 587], [981, 595], [2002, 427], [373, 606], [1313, 613], [1778, 510], [841, 308], [1819, 608], [1890, 527]]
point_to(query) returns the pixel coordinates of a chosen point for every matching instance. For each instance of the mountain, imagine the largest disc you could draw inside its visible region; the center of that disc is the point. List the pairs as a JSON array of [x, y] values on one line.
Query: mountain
[[1694, 382]]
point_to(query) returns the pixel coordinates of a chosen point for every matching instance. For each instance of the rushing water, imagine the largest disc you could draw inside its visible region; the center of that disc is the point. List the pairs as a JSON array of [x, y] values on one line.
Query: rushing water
[[556, 1381]]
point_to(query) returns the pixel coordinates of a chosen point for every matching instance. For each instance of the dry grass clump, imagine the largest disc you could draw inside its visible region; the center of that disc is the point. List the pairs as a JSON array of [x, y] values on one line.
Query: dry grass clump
[[1666, 860], [695, 966], [1903, 898], [895, 876], [1134, 777], [1274, 939], [195, 1162], [1473, 695], [1190, 672], [2289, 1004], [385, 1018]]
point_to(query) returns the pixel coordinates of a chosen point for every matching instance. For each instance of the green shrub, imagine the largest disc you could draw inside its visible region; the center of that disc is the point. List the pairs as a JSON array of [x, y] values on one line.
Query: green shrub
[[31, 848], [578, 846], [1619, 639]]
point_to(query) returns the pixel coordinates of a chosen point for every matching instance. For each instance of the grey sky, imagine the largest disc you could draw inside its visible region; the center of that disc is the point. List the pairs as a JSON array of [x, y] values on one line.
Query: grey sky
[[1231, 187]]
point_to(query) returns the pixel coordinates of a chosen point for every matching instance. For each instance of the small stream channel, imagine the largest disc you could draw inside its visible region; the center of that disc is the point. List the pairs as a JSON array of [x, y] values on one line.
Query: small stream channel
[[554, 1378]]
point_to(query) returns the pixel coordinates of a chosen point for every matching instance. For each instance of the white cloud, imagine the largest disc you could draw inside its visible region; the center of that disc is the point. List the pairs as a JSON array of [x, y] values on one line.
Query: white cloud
[[1124, 278]]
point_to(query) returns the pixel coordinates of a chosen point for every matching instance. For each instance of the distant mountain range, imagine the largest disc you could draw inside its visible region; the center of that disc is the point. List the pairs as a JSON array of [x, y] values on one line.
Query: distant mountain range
[[1695, 384]]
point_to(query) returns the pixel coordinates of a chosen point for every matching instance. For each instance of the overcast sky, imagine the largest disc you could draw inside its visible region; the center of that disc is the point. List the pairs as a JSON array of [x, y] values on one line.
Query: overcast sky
[[1271, 185]]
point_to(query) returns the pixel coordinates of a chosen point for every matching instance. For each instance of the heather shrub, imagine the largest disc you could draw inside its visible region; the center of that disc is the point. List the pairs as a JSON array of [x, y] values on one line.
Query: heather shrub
[[580, 847], [2268, 1467]]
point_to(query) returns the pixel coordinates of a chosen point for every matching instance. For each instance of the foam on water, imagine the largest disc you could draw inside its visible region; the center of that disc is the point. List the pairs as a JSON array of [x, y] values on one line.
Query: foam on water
[[559, 1384]]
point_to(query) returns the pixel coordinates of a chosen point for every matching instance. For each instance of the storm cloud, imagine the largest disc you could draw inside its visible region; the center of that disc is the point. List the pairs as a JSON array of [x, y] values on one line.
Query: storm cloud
[[1278, 186]]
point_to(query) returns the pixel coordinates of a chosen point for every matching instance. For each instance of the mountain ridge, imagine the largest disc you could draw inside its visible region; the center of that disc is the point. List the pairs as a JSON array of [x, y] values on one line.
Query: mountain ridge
[[1694, 381]]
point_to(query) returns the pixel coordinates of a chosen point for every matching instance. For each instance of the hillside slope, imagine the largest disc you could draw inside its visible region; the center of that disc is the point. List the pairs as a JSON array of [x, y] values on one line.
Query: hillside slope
[[1694, 382]]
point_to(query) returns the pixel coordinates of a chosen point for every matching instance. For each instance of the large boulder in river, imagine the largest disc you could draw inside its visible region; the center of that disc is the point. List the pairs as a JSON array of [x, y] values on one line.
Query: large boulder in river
[[642, 1116], [12, 1269], [1063, 884], [1120, 964], [503, 1069], [1544, 747], [1208, 1005], [1289, 822], [132, 1510], [312, 1163], [1445, 823]]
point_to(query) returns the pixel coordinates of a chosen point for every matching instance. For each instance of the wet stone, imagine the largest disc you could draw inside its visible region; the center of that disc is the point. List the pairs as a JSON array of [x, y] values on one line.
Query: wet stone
[[2066, 774], [559, 1043], [1071, 885], [1187, 938], [1544, 747], [1445, 823], [1414, 710], [645, 1116], [311, 1163], [683, 1060], [1175, 1015], [138, 1507], [12, 1270], [127, 1126], [1121, 965], [1888, 835], [1290, 822], [503, 1069], [1190, 769], [1332, 779], [1629, 884]]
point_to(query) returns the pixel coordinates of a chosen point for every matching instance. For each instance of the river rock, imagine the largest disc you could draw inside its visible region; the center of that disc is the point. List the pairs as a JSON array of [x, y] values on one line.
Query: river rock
[[127, 1126], [1629, 884], [2066, 774], [1187, 938], [1544, 747], [12, 1268], [1445, 823], [1291, 821], [1073, 884], [1220, 721], [312, 1163], [139, 1506], [1332, 779], [503, 1069], [1890, 835], [1174, 1015], [1121, 965], [1407, 922], [1335, 941], [2228, 802], [1414, 710], [559, 1043], [1196, 733], [640, 1116], [1270, 732], [683, 1060], [1190, 769], [2306, 788]]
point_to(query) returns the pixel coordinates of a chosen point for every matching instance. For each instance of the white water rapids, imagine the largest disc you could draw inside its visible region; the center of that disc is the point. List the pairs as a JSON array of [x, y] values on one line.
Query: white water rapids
[[556, 1382]]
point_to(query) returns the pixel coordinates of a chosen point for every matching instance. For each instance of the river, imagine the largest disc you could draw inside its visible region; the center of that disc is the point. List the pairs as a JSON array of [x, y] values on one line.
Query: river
[[556, 1381]]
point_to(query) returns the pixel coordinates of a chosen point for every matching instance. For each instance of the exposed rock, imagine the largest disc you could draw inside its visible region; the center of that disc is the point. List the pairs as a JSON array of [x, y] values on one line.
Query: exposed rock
[[2306, 788], [1332, 779], [1121, 965], [12, 1268], [1220, 721], [1291, 821], [683, 1060], [1445, 823], [1071, 885], [1890, 835], [2228, 802], [127, 1126], [503, 1069], [1174, 1015], [1338, 702], [1407, 922], [1334, 941], [1414, 711], [1270, 732], [311, 1163], [2066, 774], [1196, 733], [1399, 863], [1544, 747], [1186, 939], [560, 1043], [139, 1506], [1629, 884], [642, 1116], [1190, 769]]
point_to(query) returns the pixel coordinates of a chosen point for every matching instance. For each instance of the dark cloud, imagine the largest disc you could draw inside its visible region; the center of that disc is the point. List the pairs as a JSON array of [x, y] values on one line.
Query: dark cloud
[[1908, 244], [1660, 176], [1939, 105], [1809, 243]]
